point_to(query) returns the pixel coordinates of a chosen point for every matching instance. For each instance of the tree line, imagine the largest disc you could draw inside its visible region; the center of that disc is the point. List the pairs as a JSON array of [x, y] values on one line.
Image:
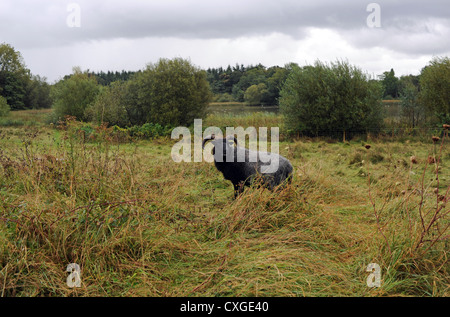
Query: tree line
[[18, 86], [320, 99]]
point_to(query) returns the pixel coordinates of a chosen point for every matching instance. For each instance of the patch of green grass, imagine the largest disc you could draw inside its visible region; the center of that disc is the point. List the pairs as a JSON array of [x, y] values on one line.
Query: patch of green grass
[[30, 117]]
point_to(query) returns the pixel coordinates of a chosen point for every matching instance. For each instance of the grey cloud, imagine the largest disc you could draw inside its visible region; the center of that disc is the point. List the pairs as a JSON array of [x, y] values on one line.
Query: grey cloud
[[194, 19], [231, 19], [424, 37], [31, 24]]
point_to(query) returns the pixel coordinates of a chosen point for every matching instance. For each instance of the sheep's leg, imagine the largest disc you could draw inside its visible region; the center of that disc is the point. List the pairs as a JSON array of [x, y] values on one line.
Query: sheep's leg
[[238, 189]]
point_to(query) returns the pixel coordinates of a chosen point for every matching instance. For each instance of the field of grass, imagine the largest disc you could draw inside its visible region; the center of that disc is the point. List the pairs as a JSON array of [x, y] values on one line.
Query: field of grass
[[139, 224]]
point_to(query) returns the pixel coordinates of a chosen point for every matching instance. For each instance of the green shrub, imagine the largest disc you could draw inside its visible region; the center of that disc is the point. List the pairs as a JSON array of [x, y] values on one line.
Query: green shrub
[[149, 131], [109, 106], [331, 100], [435, 88], [170, 92], [255, 94], [4, 107], [74, 94]]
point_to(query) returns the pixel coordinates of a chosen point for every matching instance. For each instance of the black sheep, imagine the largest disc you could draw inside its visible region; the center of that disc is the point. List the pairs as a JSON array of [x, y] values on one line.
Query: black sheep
[[241, 166]]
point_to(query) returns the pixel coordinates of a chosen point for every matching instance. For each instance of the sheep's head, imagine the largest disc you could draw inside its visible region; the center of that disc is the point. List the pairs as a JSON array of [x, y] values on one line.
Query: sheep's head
[[223, 149]]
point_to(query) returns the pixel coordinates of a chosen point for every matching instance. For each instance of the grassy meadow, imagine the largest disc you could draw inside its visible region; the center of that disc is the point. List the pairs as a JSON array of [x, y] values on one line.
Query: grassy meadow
[[139, 224]]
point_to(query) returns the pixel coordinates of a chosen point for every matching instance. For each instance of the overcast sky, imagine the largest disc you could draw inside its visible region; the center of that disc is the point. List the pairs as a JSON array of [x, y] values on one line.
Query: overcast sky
[[55, 35]]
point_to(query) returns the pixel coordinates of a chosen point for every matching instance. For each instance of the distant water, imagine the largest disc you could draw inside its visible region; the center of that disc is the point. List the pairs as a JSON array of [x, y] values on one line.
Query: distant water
[[237, 108]]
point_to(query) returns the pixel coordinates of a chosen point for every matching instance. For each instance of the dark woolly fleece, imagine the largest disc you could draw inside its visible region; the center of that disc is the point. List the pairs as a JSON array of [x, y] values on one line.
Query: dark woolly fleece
[[244, 173]]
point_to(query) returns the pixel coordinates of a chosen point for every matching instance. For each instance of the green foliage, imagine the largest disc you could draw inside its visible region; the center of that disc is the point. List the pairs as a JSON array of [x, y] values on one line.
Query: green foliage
[[390, 84], [4, 107], [148, 131], [276, 76], [234, 81], [11, 61], [253, 76], [109, 77], [132, 102], [170, 92], [330, 100], [222, 80], [435, 88], [255, 94], [21, 89], [412, 110], [89, 132], [226, 97], [13, 76], [109, 106], [37, 93], [14, 89], [73, 95]]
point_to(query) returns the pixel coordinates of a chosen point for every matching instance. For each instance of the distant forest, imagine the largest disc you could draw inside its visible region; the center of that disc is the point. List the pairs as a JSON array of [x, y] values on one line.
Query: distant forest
[[105, 79], [227, 84]]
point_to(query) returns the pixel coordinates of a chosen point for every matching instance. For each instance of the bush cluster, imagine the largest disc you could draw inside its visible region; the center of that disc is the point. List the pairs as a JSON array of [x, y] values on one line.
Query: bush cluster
[[331, 100], [4, 107], [170, 92]]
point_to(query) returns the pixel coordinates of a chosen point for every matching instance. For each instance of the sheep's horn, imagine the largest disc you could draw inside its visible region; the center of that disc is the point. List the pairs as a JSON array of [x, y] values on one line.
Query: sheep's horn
[[207, 138]]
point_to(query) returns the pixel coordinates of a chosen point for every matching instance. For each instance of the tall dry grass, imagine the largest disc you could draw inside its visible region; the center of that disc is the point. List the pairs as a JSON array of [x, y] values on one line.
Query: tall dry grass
[[139, 224], [412, 216]]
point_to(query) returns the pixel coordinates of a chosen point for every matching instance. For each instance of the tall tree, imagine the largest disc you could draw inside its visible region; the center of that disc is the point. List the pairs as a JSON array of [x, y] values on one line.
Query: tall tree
[[254, 75], [37, 93], [435, 88], [73, 95], [13, 76], [390, 84], [255, 94], [276, 76], [412, 110]]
